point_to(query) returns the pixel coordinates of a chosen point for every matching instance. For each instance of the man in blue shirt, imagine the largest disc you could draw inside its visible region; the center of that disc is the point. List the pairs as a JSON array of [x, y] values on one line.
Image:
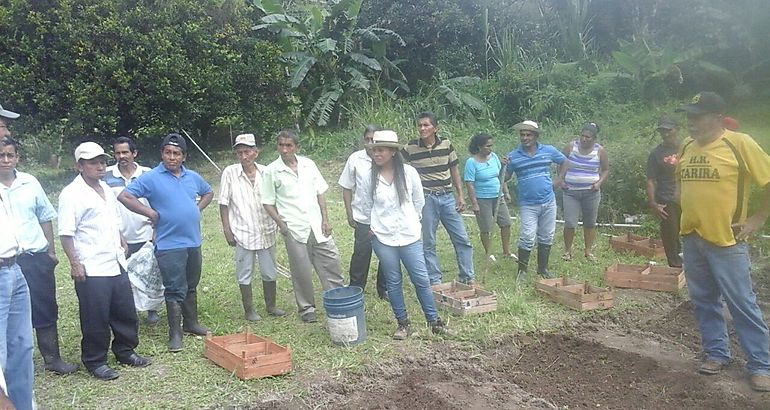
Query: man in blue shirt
[[531, 161], [171, 190]]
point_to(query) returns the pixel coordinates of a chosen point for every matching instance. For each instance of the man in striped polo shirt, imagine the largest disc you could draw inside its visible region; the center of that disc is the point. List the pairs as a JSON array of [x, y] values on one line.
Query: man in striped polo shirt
[[436, 161], [531, 161]]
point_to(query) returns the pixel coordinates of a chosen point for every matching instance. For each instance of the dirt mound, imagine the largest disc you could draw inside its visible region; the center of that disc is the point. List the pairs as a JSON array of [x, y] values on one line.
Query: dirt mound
[[577, 373]]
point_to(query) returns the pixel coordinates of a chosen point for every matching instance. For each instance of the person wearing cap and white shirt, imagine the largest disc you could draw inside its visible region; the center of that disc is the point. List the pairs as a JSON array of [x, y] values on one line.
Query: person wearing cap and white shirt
[[89, 229], [293, 194], [171, 190], [15, 315], [714, 175], [397, 202], [37, 251], [136, 229], [661, 188], [5, 114], [354, 180], [531, 162], [247, 225]]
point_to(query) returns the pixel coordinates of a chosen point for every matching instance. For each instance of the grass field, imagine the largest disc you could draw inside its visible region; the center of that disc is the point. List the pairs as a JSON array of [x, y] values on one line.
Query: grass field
[[188, 380]]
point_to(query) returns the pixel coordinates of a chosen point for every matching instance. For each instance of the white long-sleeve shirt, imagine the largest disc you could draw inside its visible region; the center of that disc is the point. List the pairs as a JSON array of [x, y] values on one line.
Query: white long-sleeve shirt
[[393, 223]]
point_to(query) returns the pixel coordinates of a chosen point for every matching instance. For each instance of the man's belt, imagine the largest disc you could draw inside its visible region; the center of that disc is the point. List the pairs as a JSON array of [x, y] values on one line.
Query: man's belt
[[439, 191], [7, 262]]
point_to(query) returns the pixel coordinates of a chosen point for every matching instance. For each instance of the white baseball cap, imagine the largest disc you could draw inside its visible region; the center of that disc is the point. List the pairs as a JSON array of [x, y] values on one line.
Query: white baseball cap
[[245, 139], [89, 150], [8, 114]]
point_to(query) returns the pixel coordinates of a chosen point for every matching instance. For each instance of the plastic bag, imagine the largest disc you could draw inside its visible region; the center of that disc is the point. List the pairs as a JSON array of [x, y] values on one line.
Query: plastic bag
[[146, 283]]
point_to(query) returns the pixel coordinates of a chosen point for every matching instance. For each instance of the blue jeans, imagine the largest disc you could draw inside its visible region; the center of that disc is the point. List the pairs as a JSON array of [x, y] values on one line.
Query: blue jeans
[[410, 255], [16, 336], [441, 208], [713, 272], [537, 222]]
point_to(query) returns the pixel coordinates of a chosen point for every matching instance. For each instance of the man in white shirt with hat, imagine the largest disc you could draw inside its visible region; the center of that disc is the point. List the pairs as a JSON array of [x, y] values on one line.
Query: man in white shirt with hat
[[89, 228], [247, 225]]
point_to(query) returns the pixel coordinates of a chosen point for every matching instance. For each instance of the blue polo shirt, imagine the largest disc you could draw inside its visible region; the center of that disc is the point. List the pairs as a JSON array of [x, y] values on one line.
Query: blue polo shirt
[[533, 173], [175, 200]]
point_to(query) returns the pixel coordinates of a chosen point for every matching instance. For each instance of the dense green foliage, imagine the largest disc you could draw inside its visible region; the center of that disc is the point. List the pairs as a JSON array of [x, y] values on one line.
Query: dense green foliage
[[109, 67]]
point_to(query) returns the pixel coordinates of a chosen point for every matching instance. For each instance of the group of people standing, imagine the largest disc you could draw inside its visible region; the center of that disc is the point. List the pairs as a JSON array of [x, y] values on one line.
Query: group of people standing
[[395, 196]]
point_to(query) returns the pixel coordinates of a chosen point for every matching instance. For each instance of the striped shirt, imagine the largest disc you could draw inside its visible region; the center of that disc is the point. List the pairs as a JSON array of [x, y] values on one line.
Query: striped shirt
[[583, 170], [432, 163], [533, 173], [136, 228], [251, 224]]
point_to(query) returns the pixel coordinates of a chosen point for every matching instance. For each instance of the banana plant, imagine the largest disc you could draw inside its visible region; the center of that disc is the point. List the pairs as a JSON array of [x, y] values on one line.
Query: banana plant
[[330, 59]]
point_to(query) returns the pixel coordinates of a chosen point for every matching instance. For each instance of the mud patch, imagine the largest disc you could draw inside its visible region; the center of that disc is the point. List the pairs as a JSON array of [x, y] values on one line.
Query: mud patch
[[576, 373]]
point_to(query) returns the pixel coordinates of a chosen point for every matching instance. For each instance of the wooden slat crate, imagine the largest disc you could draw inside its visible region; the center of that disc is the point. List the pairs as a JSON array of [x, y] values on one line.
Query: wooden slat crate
[[650, 277], [640, 245], [574, 294], [461, 299], [247, 355]]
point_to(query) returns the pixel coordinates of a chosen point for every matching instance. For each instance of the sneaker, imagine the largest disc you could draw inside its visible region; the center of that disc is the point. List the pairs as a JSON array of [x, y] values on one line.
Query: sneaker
[[591, 257], [760, 382], [309, 317], [711, 367], [513, 256], [438, 327], [403, 331], [492, 258]]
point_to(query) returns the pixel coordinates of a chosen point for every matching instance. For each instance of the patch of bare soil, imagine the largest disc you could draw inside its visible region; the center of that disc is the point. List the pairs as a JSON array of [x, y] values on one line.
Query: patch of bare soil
[[634, 359]]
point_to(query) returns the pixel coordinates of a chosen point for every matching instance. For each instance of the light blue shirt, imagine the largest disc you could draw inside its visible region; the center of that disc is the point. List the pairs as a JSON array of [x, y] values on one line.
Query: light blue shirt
[[484, 175], [30, 207]]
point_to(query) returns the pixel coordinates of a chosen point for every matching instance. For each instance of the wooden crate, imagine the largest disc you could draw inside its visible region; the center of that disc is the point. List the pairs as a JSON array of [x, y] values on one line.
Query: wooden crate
[[650, 277], [461, 299], [247, 355], [574, 294], [640, 245]]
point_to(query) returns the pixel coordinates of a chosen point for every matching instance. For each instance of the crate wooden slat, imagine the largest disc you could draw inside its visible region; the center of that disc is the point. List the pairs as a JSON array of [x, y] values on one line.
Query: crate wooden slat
[[640, 245], [649, 277], [574, 294], [461, 299], [247, 355]]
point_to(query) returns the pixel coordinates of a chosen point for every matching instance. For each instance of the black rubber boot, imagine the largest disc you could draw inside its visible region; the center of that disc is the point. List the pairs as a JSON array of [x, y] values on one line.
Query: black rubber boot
[[269, 290], [543, 254], [523, 265], [190, 315], [48, 343], [174, 313], [248, 304], [152, 318]]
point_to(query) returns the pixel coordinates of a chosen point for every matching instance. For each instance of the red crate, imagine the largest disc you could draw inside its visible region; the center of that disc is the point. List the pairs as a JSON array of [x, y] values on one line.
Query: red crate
[[247, 355]]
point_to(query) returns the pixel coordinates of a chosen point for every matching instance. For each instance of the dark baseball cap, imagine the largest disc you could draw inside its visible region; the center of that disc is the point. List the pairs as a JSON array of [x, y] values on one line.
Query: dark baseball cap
[[667, 123], [175, 140], [706, 102]]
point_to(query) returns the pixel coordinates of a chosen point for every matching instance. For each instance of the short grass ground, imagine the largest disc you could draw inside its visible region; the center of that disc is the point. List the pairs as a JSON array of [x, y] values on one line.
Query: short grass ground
[[188, 380]]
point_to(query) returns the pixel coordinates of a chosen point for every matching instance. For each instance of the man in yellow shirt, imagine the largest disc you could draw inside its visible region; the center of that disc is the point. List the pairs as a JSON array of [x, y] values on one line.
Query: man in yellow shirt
[[715, 170]]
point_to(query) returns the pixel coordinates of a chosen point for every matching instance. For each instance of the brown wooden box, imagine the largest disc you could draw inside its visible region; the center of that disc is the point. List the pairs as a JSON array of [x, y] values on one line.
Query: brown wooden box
[[650, 277], [577, 295], [461, 299], [640, 245], [247, 355]]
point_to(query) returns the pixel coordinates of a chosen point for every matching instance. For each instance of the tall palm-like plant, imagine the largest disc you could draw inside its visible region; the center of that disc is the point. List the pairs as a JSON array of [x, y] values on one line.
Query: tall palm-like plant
[[330, 59]]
